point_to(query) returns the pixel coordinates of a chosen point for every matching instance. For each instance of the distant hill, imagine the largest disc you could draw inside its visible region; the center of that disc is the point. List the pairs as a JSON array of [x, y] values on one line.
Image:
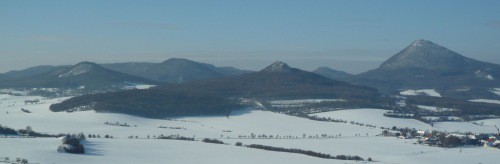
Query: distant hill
[[2, 77], [32, 71], [132, 68], [230, 71], [85, 74], [221, 95], [174, 70], [171, 71], [332, 73], [426, 65], [181, 70]]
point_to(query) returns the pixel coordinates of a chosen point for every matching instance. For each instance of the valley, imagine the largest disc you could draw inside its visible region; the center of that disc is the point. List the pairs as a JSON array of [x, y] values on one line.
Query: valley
[[280, 130]]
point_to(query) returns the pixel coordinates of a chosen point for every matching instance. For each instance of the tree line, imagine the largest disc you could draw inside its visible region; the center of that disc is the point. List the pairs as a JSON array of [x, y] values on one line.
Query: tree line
[[306, 152]]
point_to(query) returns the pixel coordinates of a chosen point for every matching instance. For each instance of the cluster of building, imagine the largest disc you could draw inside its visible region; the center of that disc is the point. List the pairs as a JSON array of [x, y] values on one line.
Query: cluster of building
[[487, 140], [442, 139]]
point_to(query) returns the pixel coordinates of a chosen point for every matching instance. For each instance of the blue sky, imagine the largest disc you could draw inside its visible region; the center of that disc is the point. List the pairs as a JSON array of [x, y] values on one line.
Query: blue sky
[[353, 36]]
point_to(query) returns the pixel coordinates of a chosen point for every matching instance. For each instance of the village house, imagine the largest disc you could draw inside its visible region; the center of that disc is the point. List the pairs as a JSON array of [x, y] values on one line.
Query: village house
[[491, 141]]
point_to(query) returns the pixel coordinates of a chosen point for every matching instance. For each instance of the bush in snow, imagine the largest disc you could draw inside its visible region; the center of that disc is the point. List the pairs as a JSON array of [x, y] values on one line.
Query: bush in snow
[[71, 144], [215, 141], [452, 141]]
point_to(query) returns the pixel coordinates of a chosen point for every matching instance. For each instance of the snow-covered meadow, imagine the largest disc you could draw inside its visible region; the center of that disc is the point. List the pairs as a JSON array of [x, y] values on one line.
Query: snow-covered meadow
[[424, 92], [389, 150], [496, 91], [486, 101], [435, 109], [348, 139], [376, 117], [299, 103], [42, 150]]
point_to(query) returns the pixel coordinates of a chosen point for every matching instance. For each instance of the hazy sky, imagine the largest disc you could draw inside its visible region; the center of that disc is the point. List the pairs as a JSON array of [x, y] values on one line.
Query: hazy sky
[[353, 36]]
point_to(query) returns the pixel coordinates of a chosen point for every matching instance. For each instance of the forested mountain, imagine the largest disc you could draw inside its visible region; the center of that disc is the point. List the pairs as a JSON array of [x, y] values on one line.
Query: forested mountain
[[174, 70], [29, 72], [424, 64], [221, 95], [332, 73], [82, 75]]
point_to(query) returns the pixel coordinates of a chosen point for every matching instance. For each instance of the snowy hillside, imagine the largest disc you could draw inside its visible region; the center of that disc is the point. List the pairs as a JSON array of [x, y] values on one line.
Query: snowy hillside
[[243, 122], [486, 101], [78, 69], [435, 109], [496, 91], [375, 117], [42, 150], [424, 92], [390, 150]]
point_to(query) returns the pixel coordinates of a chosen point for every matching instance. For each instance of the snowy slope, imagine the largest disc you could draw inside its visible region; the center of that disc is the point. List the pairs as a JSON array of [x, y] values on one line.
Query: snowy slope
[[354, 139], [389, 150], [78, 69], [490, 122], [486, 101], [375, 117], [496, 91], [139, 86], [435, 109], [241, 122], [43, 150], [425, 92]]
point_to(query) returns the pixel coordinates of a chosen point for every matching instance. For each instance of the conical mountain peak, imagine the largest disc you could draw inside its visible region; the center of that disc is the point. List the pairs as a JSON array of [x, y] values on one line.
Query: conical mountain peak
[[278, 67], [425, 54], [422, 42]]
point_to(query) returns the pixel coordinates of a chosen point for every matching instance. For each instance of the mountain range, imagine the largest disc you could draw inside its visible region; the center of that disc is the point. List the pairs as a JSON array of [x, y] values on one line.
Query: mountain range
[[221, 95], [102, 76], [174, 70], [421, 65], [281, 81]]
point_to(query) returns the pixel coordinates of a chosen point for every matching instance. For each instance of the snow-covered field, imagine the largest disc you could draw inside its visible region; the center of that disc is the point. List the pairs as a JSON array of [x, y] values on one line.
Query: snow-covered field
[[486, 101], [490, 122], [299, 103], [389, 150], [241, 122], [376, 117], [436, 118], [139, 86], [373, 117], [425, 92], [353, 140], [435, 109], [13, 91], [43, 150], [496, 91]]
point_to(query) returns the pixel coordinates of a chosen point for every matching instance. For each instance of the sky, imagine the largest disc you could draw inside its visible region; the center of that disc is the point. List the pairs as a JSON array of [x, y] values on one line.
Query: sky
[[349, 35]]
